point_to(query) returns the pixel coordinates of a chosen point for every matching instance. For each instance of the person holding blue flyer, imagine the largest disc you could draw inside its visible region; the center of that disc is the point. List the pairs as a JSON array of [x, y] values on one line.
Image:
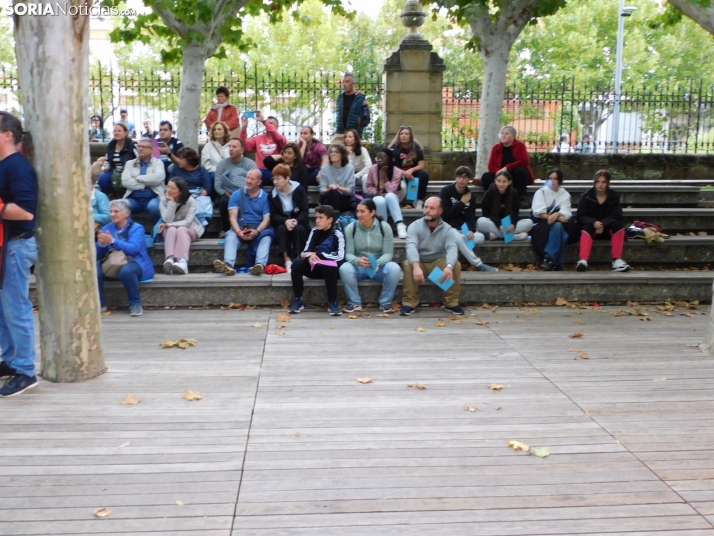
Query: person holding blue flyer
[[500, 202], [431, 251], [370, 250], [460, 212]]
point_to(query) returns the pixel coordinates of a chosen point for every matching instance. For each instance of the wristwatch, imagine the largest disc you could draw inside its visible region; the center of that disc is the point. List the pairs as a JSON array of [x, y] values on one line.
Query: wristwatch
[[449, 266]]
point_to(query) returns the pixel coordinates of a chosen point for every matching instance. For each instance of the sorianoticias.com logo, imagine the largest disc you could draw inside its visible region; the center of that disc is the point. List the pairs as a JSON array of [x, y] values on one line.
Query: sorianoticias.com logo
[[65, 8]]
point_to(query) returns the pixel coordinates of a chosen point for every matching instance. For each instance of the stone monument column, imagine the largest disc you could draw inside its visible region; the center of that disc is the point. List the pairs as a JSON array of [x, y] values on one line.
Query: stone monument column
[[413, 81]]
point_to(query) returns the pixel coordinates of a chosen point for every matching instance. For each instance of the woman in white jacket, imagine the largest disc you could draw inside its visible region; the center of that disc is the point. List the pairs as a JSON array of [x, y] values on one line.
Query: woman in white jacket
[[180, 225], [551, 212], [216, 149], [359, 157]]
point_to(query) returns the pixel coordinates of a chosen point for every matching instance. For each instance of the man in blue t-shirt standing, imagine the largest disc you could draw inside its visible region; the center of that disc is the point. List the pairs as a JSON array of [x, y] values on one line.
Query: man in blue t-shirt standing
[[18, 191], [249, 213]]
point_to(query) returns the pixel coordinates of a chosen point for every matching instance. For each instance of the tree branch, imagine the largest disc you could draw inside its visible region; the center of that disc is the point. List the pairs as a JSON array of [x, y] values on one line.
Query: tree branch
[[704, 16]]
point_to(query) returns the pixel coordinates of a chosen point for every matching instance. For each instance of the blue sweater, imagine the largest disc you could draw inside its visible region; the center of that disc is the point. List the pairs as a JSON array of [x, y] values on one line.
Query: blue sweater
[[134, 246]]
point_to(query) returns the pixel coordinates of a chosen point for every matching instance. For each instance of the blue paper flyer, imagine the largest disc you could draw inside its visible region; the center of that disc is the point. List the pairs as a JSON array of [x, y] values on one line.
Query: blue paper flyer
[[373, 270], [412, 189], [506, 223], [465, 229], [435, 277]]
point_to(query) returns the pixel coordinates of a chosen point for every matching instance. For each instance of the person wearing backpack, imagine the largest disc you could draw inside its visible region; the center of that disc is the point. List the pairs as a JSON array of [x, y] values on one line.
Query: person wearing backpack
[[369, 235], [600, 217]]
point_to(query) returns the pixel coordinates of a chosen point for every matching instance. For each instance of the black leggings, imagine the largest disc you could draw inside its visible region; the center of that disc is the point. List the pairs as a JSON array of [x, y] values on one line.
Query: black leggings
[[223, 209], [520, 181], [291, 242], [337, 200], [301, 268]]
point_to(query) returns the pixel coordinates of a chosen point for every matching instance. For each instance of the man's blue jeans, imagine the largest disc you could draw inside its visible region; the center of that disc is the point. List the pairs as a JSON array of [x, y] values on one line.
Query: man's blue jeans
[[17, 326], [130, 274], [259, 247], [388, 275], [149, 205]]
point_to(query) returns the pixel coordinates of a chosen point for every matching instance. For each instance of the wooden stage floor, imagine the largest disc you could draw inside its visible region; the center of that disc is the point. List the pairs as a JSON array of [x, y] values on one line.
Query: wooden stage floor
[[285, 441]]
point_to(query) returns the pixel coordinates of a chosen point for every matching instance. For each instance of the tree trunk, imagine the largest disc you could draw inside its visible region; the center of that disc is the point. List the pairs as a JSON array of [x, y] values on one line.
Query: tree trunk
[[495, 66], [53, 62], [704, 16], [189, 112]]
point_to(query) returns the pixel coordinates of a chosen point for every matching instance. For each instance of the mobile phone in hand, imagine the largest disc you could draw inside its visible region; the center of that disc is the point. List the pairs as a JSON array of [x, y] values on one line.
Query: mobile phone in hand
[[249, 114]]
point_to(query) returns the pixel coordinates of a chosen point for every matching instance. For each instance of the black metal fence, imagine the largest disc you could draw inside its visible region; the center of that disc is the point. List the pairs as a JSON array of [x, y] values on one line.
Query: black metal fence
[[674, 119]]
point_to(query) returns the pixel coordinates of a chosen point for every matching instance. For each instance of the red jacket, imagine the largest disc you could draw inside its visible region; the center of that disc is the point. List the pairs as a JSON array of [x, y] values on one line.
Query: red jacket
[[229, 116], [520, 153], [264, 145]]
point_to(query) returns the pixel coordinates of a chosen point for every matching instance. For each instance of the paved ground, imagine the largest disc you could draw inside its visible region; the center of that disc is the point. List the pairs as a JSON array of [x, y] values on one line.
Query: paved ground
[[286, 441]]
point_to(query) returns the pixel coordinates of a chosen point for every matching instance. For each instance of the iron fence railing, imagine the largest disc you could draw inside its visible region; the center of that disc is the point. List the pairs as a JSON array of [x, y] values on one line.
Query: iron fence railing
[[678, 118]]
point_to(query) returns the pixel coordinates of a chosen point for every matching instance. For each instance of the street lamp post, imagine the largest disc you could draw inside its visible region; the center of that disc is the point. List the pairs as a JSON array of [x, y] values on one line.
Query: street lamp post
[[622, 13]]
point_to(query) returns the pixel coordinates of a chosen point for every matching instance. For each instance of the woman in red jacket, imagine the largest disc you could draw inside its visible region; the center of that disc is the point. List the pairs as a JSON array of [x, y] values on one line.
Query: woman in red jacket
[[510, 155], [223, 110]]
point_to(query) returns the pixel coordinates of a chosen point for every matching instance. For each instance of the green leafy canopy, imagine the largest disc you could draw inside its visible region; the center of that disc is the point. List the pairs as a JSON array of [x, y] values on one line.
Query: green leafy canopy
[[192, 20]]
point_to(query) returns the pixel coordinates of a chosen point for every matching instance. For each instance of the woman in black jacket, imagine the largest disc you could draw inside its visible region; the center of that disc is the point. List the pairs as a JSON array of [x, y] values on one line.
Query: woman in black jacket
[[119, 150], [600, 217], [500, 201], [289, 210], [293, 159]]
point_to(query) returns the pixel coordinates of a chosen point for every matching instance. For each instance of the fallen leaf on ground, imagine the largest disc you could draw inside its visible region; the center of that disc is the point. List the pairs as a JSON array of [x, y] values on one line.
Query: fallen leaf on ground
[[282, 326], [470, 408], [622, 313], [496, 387], [364, 380], [527, 309], [420, 386], [284, 317], [192, 395], [284, 303], [646, 319], [494, 309], [421, 330], [102, 512], [280, 333], [575, 350], [690, 315], [383, 315], [181, 343], [580, 322], [440, 324], [517, 445], [577, 335], [180, 503], [633, 304], [125, 444], [107, 313], [297, 434], [257, 325], [561, 301], [584, 355], [482, 323], [332, 327], [130, 400], [410, 385], [541, 452], [238, 306], [353, 316]]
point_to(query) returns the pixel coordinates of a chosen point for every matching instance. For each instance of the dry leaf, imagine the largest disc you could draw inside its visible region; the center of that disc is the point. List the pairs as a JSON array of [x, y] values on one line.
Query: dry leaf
[[577, 335], [125, 444], [542, 452], [297, 434], [282, 326], [561, 301], [647, 319], [440, 324], [180, 503], [575, 350], [584, 355], [421, 330], [494, 309], [690, 315], [470, 408], [284, 303], [482, 323], [238, 306], [130, 400], [421, 386], [257, 325], [107, 313], [181, 343], [332, 327], [496, 387], [192, 395], [353, 316], [517, 445], [280, 333], [364, 380], [527, 309], [284, 317], [102, 512], [410, 385], [580, 322], [383, 315]]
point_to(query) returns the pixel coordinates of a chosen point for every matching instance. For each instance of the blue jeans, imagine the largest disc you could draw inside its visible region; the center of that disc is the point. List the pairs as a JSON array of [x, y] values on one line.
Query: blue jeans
[[17, 326], [129, 275], [149, 205], [259, 247], [388, 275], [388, 201], [312, 177], [105, 182], [557, 240]]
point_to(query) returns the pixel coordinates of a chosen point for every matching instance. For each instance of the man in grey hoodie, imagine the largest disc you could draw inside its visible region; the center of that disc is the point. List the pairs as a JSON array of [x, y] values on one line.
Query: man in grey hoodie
[[431, 244]]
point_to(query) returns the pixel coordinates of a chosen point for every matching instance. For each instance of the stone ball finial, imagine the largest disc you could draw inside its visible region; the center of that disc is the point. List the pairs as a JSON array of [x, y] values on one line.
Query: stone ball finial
[[413, 17]]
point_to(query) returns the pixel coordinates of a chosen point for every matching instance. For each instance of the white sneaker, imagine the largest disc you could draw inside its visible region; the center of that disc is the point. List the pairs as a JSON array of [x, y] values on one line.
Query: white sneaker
[[582, 265], [491, 236], [619, 265], [419, 204], [520, 236], [288, 265], [168, 265], [180, 267], [401, 230]]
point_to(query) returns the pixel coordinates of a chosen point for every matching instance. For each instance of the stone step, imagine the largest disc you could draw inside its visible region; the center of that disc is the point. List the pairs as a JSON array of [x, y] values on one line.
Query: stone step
[[679, 251], [672, 220], [197, 290]]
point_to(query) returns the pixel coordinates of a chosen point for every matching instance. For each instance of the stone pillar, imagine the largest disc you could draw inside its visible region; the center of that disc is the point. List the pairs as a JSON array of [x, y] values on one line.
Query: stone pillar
[[413, 81]]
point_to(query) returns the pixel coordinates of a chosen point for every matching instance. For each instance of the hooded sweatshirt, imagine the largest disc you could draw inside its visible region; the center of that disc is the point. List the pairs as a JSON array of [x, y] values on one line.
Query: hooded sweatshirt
[[590, 211], [288, 206], [546, 201], [328, 245], [362, 241]]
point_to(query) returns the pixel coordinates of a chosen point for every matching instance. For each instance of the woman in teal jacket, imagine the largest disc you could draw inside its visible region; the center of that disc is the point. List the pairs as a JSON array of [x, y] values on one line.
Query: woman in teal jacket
[[123, 234]]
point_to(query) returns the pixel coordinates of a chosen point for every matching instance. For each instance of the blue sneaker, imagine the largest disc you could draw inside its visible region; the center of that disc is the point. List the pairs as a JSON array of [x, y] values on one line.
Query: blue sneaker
[[334, 309], [297, 306], [406, 310], [455, 310], [19, 383], [351, 308]]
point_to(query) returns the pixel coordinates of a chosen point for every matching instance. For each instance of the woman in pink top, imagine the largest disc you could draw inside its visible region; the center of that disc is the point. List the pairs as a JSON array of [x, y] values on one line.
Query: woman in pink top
[[383, 182], [314, 154], [267, 144]]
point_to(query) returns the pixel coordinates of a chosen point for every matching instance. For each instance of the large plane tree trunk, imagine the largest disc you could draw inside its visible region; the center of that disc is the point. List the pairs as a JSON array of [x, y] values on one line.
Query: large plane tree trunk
[[53, 63]]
